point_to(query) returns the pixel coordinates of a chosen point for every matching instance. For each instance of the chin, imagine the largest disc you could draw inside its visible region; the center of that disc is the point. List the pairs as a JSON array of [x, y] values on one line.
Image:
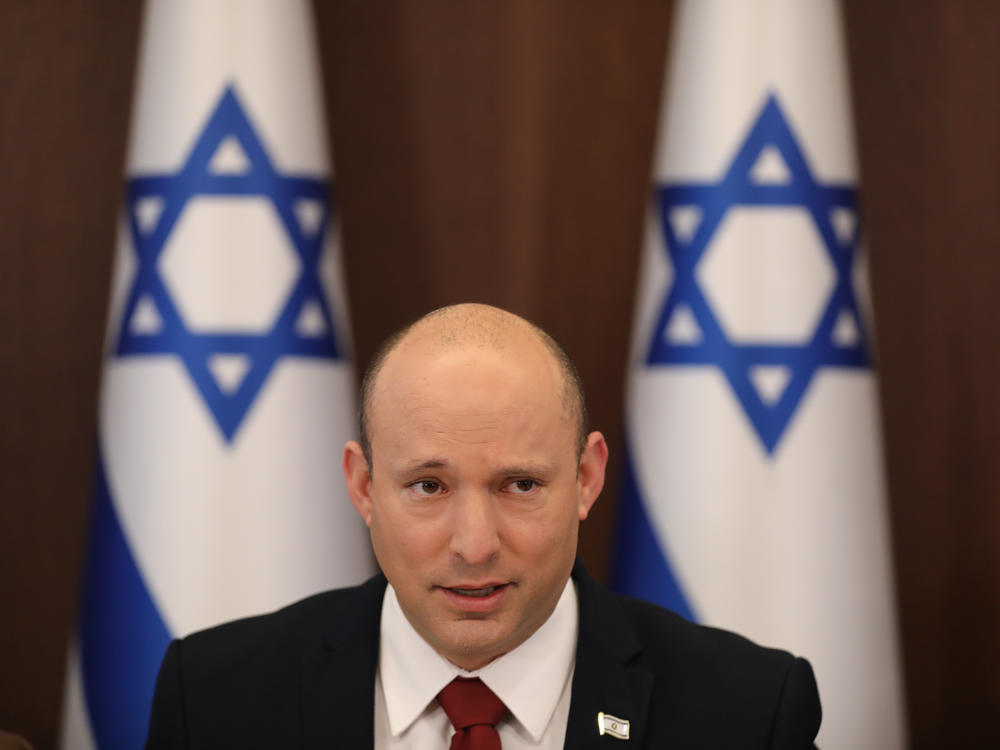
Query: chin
[[476, 642]]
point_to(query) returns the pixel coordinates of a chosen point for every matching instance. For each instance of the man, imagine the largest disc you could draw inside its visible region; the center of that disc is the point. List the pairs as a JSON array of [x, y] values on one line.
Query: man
[[473, 472]]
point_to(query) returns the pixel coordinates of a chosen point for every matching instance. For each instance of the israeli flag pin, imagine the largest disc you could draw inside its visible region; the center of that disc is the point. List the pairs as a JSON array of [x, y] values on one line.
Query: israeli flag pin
[[608, 724]]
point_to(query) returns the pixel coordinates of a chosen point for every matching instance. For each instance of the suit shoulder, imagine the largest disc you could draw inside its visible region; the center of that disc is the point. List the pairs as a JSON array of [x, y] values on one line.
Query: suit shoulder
[[721, 661], [237, 684], [660, 629], [764, 692], [285, 631]]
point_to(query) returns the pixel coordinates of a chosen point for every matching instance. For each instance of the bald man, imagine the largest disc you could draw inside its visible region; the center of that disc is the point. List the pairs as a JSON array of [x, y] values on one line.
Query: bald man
[[474, 469]]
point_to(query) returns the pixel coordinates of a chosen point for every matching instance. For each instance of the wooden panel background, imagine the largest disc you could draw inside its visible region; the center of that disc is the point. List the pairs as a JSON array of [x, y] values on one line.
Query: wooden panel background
[[500, 152]]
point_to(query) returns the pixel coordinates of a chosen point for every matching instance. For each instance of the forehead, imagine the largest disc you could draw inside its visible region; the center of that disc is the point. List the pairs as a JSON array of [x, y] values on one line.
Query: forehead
[[510, 396]]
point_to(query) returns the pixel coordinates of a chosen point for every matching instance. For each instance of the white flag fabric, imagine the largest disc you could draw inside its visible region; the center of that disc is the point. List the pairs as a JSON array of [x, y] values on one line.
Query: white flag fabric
[[756, 497], [227, 392]]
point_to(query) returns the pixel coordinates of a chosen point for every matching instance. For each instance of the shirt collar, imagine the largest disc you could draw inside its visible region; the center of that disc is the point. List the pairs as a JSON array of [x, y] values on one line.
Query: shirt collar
[[529, 680]]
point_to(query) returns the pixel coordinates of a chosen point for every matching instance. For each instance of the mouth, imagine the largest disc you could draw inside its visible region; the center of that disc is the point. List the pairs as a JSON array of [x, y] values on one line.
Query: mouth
[[476, 599], [477, 593]]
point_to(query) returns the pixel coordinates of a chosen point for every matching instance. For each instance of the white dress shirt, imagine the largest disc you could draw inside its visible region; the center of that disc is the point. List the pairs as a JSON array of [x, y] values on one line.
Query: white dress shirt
[[534, 682]]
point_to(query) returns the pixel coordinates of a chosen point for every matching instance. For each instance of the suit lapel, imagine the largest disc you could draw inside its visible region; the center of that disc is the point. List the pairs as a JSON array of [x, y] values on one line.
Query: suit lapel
[[338, 679], [605, 678]]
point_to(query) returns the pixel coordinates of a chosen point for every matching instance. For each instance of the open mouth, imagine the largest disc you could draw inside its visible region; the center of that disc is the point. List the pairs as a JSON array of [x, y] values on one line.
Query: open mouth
[[477, 593], [477, 599]]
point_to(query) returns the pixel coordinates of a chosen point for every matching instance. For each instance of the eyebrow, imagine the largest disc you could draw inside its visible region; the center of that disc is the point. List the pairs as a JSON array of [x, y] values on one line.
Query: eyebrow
[[418, 465], [529, 469], [524, 470]]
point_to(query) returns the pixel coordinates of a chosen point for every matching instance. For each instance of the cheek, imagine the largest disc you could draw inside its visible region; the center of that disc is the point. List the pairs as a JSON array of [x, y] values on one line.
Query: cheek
[[403, 544], [544, 535]]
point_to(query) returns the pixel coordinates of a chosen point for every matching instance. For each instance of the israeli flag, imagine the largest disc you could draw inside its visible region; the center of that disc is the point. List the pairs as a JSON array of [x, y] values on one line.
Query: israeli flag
[[756, 494], [227, 392]]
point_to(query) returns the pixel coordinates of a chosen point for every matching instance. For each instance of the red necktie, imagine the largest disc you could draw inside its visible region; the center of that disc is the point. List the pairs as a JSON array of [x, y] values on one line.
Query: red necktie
[[474, 711]]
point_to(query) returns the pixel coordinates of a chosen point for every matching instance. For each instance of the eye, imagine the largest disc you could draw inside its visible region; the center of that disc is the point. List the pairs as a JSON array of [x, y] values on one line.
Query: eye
[[426, 487], [522, 486]]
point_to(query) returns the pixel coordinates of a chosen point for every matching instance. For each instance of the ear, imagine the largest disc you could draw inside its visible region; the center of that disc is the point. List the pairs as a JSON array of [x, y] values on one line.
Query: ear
[[590, 477], [358, 479]]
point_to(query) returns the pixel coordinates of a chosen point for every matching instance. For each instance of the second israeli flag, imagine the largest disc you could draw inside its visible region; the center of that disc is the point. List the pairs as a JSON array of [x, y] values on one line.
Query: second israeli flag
[[756, 494]]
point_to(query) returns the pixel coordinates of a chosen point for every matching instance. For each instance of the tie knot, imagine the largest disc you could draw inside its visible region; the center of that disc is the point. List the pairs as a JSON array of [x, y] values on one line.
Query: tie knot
[[469, 703]]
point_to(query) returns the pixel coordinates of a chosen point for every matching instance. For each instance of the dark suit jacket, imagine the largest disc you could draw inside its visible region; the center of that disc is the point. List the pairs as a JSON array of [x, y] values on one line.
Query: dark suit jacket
[[304, 677]]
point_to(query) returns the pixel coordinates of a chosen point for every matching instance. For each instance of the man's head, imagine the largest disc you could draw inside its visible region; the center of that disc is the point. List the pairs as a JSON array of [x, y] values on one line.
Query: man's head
[[482, 324], [476, 472]]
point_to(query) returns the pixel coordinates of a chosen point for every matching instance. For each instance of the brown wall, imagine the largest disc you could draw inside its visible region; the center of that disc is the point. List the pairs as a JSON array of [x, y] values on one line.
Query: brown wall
[[500, 152]]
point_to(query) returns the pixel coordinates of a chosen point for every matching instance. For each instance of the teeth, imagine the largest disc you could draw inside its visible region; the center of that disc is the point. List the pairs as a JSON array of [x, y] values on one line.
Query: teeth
[[476, 592]]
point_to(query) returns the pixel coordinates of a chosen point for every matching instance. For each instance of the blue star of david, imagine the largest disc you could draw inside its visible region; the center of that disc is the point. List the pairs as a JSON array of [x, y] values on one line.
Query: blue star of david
[[713, 346], [172, 335]]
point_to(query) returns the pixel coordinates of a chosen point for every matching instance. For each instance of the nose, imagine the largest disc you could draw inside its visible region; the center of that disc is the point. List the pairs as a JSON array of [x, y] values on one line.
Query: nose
[[475, 536]]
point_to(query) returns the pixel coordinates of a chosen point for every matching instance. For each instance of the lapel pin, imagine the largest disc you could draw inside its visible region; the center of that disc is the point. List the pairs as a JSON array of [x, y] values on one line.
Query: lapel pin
[[608, 724]]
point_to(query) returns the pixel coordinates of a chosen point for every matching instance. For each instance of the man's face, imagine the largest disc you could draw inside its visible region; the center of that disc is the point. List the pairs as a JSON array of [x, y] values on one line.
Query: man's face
[[476, 493]]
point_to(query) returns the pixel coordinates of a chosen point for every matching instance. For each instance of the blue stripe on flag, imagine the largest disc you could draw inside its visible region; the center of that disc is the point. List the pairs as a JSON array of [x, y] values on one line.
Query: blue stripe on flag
[[640, 564], [122, 636]]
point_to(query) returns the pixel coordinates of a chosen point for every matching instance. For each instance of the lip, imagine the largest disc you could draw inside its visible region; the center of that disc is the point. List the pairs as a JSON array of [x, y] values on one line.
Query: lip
[[476, 604]]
